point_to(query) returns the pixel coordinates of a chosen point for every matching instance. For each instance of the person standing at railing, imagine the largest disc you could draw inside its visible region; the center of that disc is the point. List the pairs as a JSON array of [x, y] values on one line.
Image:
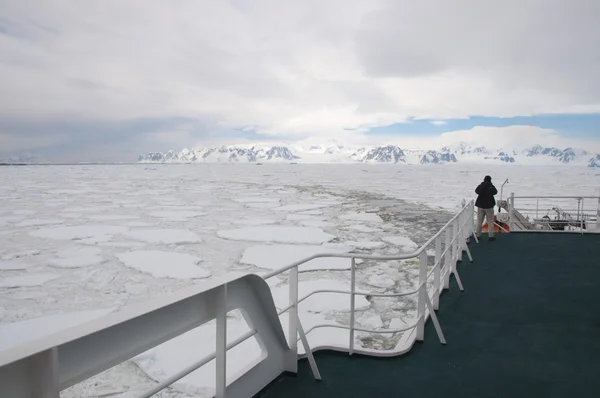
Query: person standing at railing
[[485, 206]]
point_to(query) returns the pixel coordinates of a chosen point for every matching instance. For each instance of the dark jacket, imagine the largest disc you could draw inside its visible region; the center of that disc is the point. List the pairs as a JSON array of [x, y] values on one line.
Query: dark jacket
[[486, 191]]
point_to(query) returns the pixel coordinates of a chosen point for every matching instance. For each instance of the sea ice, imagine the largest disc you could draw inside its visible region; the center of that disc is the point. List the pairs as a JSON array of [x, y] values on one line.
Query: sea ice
[[320, 302], [256, 199], [34, 222], [381, 281], [370, 320], [177, 215], [366, 217], [77, 232], [110, 217], [365, 244], [28, 280], [397, 323], [277, 234], [299, 207], [13, 334], [406, 243], [277, 256], [363, 228], [161, 264], [163, 236], [182, 351], [12, 266], [315, 223], [299, 217], [77, 257], [20, 254]]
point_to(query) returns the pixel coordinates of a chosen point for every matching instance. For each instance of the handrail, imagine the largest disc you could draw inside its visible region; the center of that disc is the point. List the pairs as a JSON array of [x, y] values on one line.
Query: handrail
[[365, 256], [457, 229]]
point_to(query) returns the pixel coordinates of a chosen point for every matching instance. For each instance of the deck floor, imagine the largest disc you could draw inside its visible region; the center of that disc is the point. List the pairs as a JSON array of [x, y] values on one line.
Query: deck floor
[[527, 325]]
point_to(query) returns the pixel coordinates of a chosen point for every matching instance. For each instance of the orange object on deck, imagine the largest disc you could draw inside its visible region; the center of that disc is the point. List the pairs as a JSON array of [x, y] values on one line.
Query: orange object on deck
[[505, 228]]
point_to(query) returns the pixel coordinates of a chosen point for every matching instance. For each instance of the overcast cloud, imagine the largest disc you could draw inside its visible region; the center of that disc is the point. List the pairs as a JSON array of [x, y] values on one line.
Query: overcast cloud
[[117, 77]]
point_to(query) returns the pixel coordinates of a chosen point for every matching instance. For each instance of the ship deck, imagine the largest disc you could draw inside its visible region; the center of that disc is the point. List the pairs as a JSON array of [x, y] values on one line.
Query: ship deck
[[527, 325]]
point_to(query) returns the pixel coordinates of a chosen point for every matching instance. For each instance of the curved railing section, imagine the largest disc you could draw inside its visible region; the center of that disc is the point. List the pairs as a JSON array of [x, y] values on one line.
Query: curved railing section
[[448, 245]]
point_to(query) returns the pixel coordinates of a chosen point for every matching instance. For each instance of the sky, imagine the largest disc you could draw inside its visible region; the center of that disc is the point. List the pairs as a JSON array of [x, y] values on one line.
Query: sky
[[107, 80]]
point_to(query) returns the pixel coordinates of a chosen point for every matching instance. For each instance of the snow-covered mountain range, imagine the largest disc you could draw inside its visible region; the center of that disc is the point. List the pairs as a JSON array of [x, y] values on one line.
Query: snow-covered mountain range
[[391, 154]]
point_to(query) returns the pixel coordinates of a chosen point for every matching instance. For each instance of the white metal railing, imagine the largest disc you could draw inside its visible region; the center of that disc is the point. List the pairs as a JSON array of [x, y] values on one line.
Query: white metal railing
[[135, 335], [449, 243], [551, 213]]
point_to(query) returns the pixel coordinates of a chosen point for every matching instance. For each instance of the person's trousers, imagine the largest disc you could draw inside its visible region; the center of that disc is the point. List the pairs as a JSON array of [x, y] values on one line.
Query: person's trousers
[[489, 215]]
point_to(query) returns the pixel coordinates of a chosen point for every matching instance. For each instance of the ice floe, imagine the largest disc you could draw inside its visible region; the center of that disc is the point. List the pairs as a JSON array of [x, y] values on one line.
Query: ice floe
[[320, 302], [12, 266], [77, 257], [402, 241], [110, 217], [277, 256], [365, 244], [366, 217], [182, 351], [28, 280], [162, 264], [300, 207], [163, 236], [381, 281], [177, 215], [20, 254], [34, 222], [277, 234], [77, 232]]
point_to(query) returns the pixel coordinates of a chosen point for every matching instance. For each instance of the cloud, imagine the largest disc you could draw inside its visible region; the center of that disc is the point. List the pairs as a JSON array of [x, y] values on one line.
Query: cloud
[[510, 137], [315, 68]]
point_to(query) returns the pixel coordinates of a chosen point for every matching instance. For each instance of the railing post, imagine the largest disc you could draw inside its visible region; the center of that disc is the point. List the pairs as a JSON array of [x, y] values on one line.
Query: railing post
[[293, 320], [437, 272], [448, 257], [44, 374], [511, 209], [352, 303], [221, 349], [455, 242], [598, 215], [582, 214], [461, 231], [422, 299]]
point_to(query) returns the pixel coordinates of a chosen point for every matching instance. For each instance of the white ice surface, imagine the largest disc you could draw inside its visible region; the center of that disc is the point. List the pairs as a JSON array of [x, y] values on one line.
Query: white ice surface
[[177, 215], [277, 234], [300, 207], [39, 222], [162, 264], [163, 236], [12, 265], [16, 333], [402, 241], [27, 280], [365, 217], [176, 354], [364, 244], [277, 256], [11, 255], [77, 232], [320, 302], [76, 257]]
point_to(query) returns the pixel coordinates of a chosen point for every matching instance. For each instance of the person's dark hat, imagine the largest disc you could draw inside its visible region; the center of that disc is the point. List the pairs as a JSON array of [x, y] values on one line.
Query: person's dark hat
[[487, 178]]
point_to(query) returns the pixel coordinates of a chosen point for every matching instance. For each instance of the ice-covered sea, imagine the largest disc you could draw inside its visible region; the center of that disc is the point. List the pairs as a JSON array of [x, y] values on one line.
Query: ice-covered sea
[[77, 242]]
